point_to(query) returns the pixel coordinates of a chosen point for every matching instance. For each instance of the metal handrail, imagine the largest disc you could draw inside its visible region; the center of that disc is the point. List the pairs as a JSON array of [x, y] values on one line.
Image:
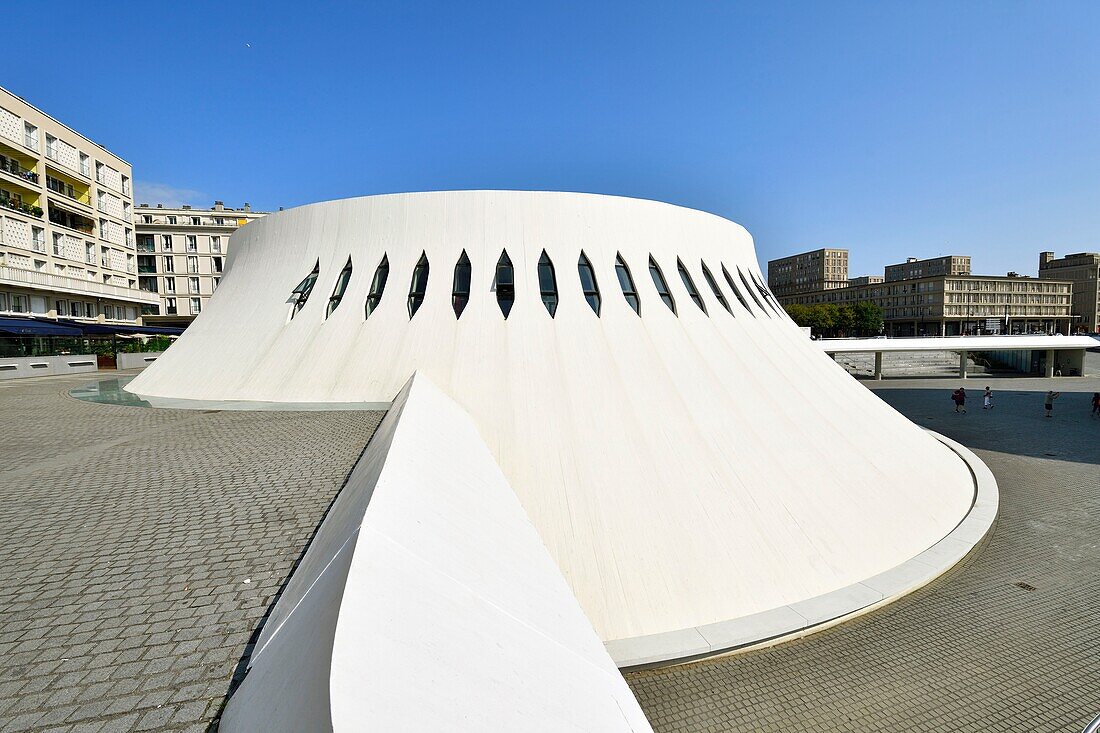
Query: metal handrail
[[1094, 726]]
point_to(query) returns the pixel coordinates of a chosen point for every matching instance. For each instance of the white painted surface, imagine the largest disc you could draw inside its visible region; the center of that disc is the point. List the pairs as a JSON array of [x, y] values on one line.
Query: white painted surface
[[682, 470], [957, 343], [428, 602]]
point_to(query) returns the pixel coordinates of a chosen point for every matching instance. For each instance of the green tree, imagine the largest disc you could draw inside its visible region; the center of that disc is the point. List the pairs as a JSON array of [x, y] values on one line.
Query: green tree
[[867, 318]]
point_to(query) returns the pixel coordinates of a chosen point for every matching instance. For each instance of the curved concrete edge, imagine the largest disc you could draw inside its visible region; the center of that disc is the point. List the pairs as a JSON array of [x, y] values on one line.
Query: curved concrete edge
[[814, 614]]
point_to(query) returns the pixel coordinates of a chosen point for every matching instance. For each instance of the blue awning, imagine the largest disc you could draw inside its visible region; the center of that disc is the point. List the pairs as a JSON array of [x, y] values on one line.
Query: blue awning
[[34, 327], [107, 329]]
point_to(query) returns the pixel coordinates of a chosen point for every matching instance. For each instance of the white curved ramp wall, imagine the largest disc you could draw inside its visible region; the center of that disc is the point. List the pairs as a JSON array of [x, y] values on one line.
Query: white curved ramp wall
[[682, 468]]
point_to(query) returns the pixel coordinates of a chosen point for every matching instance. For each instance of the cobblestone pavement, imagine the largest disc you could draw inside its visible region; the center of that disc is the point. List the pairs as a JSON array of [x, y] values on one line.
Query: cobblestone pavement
[[141, 548], [1006, 641]]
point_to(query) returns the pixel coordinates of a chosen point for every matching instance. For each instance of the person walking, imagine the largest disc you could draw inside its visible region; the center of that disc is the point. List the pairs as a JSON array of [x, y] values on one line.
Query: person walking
[[1096, 404], [987, 399], [1049, 404], [959, 396]]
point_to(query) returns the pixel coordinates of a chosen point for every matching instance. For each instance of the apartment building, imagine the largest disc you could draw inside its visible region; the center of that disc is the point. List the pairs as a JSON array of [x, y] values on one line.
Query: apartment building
[[1083, 270], [66, 230], [181, 256], [821, 269], [933, 267], [954, 304], [865, 280]]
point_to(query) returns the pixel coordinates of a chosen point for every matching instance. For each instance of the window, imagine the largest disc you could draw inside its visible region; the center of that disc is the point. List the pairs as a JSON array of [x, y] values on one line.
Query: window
[[166, 242], [126, 185], [193, 264], [105, 257], [338, 291], [714, 287], [18, 303], [171, 220], [301, 293], [419, 284], [690, 285], [216, 245], [169, 306], [505, 283], [51, 147], [193, 285], [196, 221], [129, 238], [548, 284], [146, 219], [59, 308], [460, 290], [4, 302], [219, 221], [147, 283], [168, 265], [588, 283], [662, 286], [766, 294], [192, 243], [217, 264], [214, 284], [104, 229], [76, 309], [733, 287], [751, 293], [626, 282], [196, 306], [89, 310], [89, 251], [378, 285], [30, 136], [38, 239], [109, 312], [169, 284], [150, 310]]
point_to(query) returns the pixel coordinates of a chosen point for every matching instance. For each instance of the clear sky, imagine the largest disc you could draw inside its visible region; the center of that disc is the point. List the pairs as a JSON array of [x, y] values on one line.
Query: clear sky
[[891, 128]]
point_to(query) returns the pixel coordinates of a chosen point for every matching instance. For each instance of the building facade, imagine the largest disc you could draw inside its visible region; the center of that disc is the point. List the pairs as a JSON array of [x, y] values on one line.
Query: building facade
[[1083, 270], [960, 304], [66, 223], [181, 256], [821, 269], [913, 268]]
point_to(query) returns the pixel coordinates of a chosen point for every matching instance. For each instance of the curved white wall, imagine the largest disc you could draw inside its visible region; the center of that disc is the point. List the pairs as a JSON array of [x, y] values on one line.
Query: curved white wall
[[681, 469]]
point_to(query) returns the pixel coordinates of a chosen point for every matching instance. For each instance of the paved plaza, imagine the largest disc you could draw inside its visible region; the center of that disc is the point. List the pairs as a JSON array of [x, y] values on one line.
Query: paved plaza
[[142, 548]]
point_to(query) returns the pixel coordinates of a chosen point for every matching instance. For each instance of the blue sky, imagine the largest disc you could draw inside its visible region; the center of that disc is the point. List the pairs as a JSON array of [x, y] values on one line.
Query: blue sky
[[893, 129]]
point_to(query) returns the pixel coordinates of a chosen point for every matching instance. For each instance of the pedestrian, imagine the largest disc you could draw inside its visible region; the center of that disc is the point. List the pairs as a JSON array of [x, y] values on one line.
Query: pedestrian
[[1049, 405], [1096, 404], [959, 396], [987, 399]]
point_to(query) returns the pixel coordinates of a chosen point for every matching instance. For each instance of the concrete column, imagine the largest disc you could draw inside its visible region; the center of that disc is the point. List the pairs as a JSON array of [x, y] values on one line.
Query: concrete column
[[962, 365], [878, 365], [1050, 363]]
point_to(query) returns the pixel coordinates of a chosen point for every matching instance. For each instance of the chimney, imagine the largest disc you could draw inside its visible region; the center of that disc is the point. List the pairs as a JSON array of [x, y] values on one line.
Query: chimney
[[1044, 258], [910, 259], [187, 207], [247, 206], [219, 205], [160, 206]]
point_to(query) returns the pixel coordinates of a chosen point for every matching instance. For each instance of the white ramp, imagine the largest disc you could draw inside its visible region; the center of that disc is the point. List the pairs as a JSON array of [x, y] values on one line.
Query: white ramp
[[428, 602]]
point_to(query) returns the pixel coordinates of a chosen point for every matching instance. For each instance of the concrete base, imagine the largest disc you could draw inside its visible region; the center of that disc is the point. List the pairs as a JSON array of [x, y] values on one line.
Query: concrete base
[[815, 614], [45, 366], [138, 360]]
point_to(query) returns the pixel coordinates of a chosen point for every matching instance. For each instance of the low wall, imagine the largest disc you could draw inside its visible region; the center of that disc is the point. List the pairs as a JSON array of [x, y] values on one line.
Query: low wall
[[138, 360], [44, 366]]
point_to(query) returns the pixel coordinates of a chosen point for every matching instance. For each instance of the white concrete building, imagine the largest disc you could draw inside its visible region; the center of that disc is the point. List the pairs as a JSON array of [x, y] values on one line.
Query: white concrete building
[[700, 473], [181, 254], [66, 222]]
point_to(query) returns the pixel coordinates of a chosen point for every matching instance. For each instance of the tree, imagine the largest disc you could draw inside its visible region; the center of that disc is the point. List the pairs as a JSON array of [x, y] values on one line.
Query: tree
[[867, 318]]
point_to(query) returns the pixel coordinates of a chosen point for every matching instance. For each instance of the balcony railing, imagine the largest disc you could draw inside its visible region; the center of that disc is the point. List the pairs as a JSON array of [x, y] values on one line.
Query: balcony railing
[[30, 141], [49, 281], [11, 167], [16, 205]]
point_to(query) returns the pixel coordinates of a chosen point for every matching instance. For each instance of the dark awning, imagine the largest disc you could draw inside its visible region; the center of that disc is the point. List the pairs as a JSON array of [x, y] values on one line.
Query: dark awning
[[33, 327], [104, 328]]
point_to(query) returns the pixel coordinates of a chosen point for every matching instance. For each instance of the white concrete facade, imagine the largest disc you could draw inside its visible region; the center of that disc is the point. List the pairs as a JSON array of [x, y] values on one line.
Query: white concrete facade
[[683, 468]]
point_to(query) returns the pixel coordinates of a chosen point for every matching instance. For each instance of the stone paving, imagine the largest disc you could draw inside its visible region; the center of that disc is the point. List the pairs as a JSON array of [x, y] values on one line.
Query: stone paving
[[142, 547], [1009, 640]]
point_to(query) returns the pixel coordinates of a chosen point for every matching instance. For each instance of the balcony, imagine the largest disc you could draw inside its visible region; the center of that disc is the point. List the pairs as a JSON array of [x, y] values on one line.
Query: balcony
[[71, 220], [14, 168], [63, 283], [14, 204]]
